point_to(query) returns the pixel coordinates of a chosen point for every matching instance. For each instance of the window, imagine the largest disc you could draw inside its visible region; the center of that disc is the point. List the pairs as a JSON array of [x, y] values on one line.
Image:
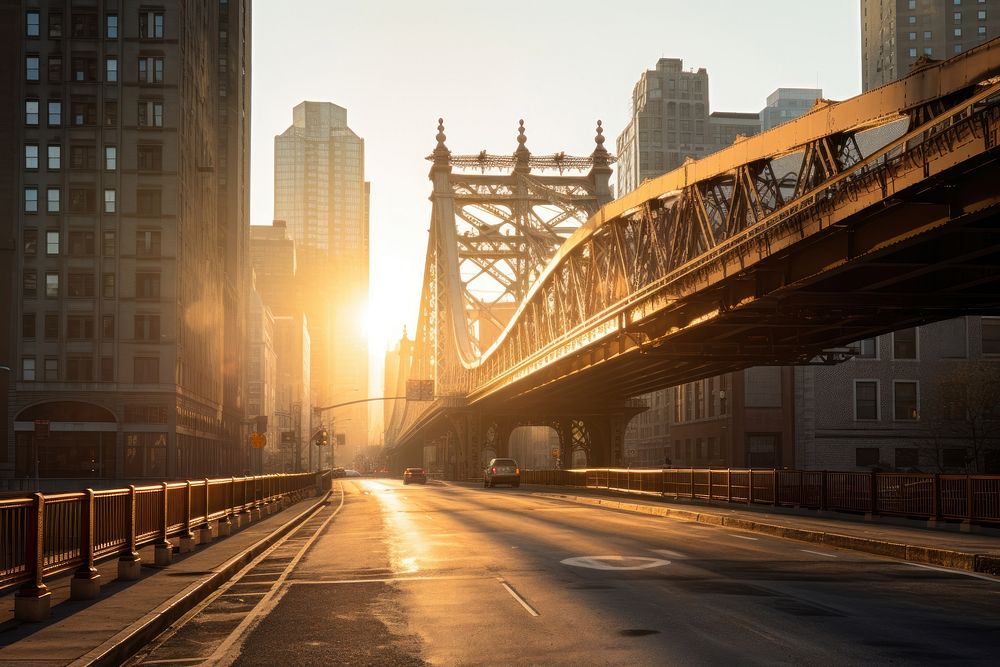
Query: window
[[55, 68], [82, 157], [107, 369], [981, 15], [147, 285], [53, 197], [991, 335], [32, 66], [30, 242], [84, 110], [905, 401], [108, 286], [111, 26], [110, 113], [110, 158], [107, 326], [51, 370], [28, 325], [31, 113], [55, 113], [146, 370], [83, 68], [981, 30], [148, 202], [762, 451], [31, 156], [81, 244], [928, 51], [108, 247], [147, 243], [111, 69], [84, 25], [55, 24], [110, 203], [29, 284], [150, 157], [958, 32], [151, 24], [51, 243], [32, 21], [911, 20], [954, 458], [904, 344], [911, 4], [51, 326], [28, 369], [51, 285], [957, 16], [957, 48], [79, 369], [31, 200], [150, 113], [82, 200], [80, 327], [865, 399], [866, 348], [927, 34], [912, 53], [865, 456], [55, 157], [151, 69], [913, 36], [80, 285], [147, 327]]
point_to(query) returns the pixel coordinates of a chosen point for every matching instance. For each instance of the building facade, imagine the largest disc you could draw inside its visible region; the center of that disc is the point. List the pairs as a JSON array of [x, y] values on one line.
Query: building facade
[[132, 169], [895, 33], [320, 191], [784, 104]]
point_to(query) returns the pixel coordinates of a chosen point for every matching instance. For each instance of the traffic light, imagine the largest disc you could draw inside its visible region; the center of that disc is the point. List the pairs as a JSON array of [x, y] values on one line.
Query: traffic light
[[321, 439]]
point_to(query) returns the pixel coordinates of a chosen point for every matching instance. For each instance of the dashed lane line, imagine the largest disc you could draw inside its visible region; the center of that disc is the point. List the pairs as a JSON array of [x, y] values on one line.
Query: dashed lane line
[[742, 537], [524, 603], [818, 553]]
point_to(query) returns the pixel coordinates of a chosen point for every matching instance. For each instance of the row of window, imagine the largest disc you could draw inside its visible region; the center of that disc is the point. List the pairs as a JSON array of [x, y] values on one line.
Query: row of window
[[84, 201], [82, 243], [83, 25], [82, 284], [145, 370], [149, 157], [904, 343], [905, 400], [81, 327], [83, 68], [909, 457], [83, 112], [956, 32]]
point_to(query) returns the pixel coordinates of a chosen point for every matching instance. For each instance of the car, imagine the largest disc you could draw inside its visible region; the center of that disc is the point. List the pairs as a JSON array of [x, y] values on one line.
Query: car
[[415, 475], [502, 471], [351, 473], [338, 472]]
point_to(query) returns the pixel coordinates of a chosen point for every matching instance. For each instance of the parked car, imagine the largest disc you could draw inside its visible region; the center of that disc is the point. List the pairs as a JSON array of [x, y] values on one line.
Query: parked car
[[502, 471], [415, 475], [351, 473], [338, 472]]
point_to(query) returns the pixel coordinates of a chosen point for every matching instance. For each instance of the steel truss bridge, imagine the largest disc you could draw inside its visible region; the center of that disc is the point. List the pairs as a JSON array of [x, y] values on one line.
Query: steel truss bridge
[[546, 303]]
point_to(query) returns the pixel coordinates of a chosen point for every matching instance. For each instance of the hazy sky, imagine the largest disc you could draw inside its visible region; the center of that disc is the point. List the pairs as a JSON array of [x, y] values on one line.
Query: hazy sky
[[397, 65]]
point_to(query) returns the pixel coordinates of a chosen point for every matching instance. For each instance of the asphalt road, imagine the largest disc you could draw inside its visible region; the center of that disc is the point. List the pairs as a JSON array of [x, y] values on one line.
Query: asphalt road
[[446, 575]]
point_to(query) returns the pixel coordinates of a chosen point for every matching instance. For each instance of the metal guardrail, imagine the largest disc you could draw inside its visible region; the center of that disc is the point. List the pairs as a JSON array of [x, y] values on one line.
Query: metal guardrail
[[42, 535], [974, 498]]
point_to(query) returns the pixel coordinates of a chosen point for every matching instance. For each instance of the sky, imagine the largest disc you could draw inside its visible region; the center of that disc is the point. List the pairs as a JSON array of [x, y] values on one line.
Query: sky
[[399, 65]]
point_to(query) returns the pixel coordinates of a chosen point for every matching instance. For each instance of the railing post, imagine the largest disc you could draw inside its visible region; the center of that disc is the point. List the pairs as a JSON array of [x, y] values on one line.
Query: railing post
[[774, 487], [187, 537], [711, 496], [163, 552], [691, 479], [129, 563], [205, 534], [86, 582], [33, 600], [802, 491], [935, 499], [969, 504], [226, 522], [729, 485]]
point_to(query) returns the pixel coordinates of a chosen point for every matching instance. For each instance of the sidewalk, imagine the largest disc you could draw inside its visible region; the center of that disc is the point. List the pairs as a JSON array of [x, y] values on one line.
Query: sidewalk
[[128, 614], [973, 552]]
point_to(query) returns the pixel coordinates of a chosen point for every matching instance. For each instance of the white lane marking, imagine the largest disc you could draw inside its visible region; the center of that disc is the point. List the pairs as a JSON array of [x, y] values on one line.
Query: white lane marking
[[742, 537], [224, 654], [818, 553], [173, 661], [615, 562], [513, 593], [378, 580], [669, 554], [975, 575]]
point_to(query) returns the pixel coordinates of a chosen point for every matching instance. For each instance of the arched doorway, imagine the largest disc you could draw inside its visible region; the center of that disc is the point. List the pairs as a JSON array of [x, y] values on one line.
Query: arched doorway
[[65, 439], [535, 447]]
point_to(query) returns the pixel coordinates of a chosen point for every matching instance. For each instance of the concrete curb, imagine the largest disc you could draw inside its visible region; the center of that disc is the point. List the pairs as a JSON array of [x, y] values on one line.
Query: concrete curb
[[140, 633], [959, 560]]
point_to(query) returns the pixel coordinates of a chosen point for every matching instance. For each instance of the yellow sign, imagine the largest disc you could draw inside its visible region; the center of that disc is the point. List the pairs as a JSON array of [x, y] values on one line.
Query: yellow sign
[[258, 440]]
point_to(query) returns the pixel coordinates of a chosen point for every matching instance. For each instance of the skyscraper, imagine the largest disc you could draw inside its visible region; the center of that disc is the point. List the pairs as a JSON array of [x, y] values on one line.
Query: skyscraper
[[132, 167], [320, 191], [895, 33]]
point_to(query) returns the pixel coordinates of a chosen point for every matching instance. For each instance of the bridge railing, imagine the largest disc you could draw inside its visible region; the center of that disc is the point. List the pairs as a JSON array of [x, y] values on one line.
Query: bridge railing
[[974, 498], [43, 535]]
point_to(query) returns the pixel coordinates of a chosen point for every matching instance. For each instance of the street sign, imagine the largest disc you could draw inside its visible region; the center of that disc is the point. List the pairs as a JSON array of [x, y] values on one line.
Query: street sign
[[258, 440], [420, 390]]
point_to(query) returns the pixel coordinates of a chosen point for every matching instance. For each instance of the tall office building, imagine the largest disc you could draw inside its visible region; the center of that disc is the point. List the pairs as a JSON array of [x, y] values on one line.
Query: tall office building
[[130, 166], [895, 33], [321, 193], [784, 104]]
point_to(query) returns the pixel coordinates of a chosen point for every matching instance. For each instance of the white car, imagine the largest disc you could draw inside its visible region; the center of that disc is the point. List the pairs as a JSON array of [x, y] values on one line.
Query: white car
[[351, 473]]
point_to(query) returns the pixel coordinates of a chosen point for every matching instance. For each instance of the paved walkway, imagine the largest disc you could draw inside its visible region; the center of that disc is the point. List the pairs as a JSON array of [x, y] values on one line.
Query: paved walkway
[[129, 614]]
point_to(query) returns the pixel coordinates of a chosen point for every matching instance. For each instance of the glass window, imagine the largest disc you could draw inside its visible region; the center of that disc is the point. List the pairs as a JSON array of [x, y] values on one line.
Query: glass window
[[151, 70], [80, 285], [110, 112], [991, 335], [958, 32], [28, 369], [981, 30], [912, 53], [55, 24], [111, 69], [110, 205], [51, 370], [29, 284], [31, 156], [108, 286], [866, 348], [981, 15], [108, 248], [147, 243], [51, 285], [55, 68], [53, 200], [911, 4], [31, 112], [55, 113], [110, 158], [31, 200], [957, 48], [111, 26], [107, 326], [150, 113], [904, 344], [927, 34], [151, 24], [30, 240], [911, 20], [81, 243], [31, 23], [913, 36], [957, 16], [865, 456], [928, 51], [32, 65], [51, 243], [865, 399], [905, 401], [55, 157], [29, 325]]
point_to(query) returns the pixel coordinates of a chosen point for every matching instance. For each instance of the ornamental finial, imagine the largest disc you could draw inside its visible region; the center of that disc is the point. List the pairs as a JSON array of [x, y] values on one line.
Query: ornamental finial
[[440, 135], [600, 135]]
